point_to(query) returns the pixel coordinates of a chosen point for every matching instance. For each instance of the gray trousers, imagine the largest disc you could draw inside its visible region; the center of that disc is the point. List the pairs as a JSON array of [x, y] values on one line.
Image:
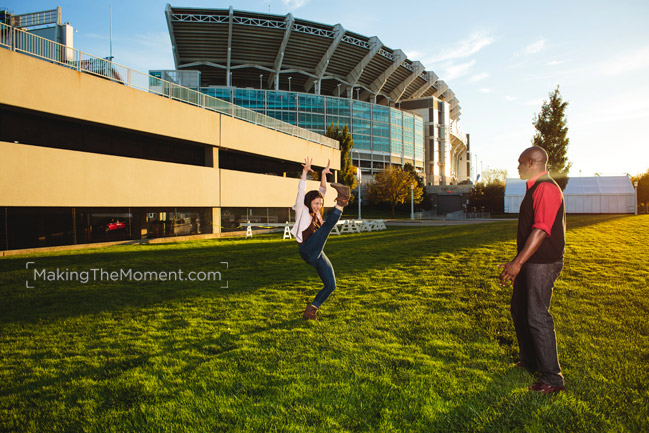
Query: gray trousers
[[533, 322]]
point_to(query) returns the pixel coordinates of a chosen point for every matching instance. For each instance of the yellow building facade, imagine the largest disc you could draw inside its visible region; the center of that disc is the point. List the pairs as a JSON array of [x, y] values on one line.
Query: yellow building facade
[[88, 159]]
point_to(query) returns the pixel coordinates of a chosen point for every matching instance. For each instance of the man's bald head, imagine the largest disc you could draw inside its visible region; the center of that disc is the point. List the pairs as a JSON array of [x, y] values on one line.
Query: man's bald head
[[532, 161], [536, 154]]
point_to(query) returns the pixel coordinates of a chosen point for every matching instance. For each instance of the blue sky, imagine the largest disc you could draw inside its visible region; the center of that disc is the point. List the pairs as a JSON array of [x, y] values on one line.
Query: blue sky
[[501, 58]]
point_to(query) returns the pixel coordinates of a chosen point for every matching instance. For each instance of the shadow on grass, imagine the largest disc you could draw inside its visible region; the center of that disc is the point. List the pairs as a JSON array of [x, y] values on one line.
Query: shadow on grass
[[252, 265]]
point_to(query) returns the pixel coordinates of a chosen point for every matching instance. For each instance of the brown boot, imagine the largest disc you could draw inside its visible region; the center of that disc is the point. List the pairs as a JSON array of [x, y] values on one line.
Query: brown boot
[[310, 313], [343, 194]]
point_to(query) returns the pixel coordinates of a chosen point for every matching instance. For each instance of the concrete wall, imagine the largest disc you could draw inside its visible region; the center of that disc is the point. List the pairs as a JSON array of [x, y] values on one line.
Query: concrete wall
[[34, 84], [247, 137], [39, 176], [239, 189]]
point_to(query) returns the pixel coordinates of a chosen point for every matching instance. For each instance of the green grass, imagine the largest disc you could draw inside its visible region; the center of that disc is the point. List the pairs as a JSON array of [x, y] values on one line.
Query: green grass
[[417, 337]]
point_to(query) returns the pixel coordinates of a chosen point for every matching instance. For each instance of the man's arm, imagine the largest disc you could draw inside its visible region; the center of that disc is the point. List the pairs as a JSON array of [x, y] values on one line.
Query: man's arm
[[547, 199], [511, 269]]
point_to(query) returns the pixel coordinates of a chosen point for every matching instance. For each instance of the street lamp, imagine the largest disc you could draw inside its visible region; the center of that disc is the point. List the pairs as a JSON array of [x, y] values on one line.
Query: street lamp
[[289, 83], [359, 175], [339, 90], [358, 89], [635, 187], [412, 201], [261, 77]]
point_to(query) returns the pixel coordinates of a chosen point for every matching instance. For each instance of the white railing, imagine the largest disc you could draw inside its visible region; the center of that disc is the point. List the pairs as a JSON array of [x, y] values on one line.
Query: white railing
[[24, 42]]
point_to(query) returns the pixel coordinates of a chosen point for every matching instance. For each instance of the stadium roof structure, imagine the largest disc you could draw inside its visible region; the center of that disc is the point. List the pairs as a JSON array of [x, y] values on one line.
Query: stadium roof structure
[[245, 49]]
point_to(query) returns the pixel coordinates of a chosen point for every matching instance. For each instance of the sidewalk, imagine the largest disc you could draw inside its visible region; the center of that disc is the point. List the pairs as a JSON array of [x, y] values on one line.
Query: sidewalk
[[442, 222]]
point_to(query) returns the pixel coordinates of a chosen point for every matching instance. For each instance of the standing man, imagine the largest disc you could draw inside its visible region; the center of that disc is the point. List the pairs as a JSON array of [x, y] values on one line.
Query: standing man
[[541, 242]]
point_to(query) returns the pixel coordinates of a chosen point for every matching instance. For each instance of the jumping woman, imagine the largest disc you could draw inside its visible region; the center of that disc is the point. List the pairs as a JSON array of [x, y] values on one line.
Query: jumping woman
[[311, 232]]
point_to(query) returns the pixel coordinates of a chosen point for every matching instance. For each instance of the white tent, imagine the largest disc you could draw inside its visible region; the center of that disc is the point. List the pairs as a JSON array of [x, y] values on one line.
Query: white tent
[[514, 193], [597, 194]]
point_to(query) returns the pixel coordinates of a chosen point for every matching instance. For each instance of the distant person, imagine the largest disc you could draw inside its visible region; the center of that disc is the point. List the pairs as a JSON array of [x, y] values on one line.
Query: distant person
[[541, 242], [311, 232]]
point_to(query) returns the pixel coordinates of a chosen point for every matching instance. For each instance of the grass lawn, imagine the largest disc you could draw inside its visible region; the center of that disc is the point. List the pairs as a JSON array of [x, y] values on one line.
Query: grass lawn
[[417, 337]]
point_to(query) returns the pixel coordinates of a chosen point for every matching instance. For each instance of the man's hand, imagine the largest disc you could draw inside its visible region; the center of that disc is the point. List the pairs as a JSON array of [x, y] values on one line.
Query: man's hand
[[509, 273]]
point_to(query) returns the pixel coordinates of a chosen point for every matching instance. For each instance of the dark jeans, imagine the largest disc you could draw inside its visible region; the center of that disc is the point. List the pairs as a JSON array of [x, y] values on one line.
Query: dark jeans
[[311, 252], [534, 325]]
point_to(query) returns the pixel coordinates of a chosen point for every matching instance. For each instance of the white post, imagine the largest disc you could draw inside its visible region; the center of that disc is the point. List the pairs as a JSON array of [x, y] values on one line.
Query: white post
[[635, 187], [359, 174], [412, 201]]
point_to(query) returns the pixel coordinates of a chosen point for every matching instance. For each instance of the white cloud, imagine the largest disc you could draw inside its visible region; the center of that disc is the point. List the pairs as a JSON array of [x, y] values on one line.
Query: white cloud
[[555, 62], [486, 90], [474, 43], [532, 48], [294, 4], [478, 77], [453, 71], [628, 62], [413, 54], [510, 98]]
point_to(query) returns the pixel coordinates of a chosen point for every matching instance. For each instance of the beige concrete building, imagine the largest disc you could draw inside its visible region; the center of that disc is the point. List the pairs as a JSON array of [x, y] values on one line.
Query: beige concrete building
[[88, 159]]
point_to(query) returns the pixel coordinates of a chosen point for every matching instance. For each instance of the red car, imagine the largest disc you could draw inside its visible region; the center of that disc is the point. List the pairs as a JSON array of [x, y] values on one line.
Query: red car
[[115, 224]]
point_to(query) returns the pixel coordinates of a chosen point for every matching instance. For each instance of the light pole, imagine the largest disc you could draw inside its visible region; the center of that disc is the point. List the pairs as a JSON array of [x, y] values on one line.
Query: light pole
[[412, 201], [359, 174], [339, 90], [261, 77], [289, 83], [635, 187], [358, 89]]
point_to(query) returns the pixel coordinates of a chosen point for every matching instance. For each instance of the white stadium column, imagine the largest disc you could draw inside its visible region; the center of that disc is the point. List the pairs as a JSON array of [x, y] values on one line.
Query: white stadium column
[[396, 94], [431, 78], [273, 80], [377, 85], [355, 74], [320, 70]]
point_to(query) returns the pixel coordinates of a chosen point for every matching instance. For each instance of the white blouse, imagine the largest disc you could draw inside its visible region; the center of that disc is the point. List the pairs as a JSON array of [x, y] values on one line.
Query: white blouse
[[302, 213]]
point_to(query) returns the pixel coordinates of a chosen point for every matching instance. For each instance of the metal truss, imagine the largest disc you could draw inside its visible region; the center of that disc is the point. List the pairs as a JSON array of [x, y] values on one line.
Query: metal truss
[[193, 18], [357, 42], [385, 54]]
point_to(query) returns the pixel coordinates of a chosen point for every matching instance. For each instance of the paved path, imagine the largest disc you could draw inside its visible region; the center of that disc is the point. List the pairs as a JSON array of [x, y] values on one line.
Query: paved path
[[443, 222]]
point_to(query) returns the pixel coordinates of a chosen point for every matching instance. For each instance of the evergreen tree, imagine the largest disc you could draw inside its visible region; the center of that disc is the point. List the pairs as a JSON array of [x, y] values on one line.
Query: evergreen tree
[[347, 173], [552, 135]]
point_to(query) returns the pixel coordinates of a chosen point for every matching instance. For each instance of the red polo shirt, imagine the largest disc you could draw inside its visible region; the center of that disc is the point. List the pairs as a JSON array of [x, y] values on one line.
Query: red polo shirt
[[546, 201]]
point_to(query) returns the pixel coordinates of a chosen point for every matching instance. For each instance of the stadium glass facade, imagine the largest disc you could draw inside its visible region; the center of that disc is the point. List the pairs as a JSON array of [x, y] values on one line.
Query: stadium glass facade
[[382, 135]]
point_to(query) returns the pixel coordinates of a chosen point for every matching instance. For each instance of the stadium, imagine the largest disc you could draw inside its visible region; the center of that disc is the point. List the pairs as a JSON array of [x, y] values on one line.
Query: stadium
[[312, 75]]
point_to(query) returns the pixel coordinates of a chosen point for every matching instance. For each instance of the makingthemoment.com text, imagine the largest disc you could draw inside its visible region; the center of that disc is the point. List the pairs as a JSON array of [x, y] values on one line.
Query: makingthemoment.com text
[[100, 274]]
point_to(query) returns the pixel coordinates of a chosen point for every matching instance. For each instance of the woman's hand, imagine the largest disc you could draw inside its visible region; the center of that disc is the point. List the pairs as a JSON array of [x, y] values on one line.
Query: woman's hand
[[306, 167], [326, 171]]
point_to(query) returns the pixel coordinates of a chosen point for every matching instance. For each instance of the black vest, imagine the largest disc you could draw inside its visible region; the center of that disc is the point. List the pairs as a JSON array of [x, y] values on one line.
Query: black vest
[[552, 248]]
